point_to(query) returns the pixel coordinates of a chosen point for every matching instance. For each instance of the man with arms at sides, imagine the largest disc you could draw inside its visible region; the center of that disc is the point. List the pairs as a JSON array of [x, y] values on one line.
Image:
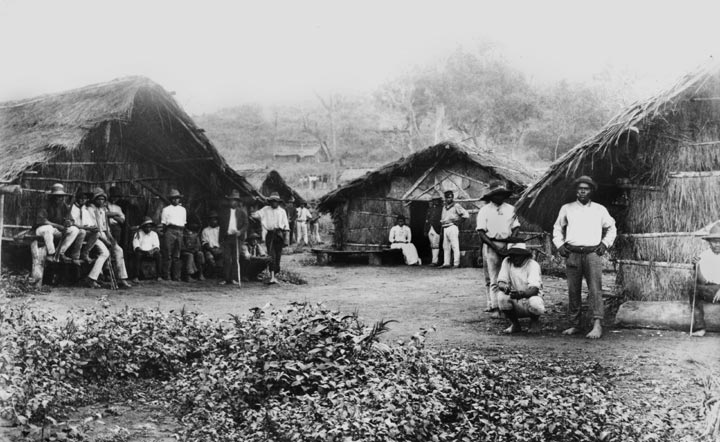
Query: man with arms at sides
[[583, 232], [452, 216], [303, 217], [275, 223], [519, 284], [233, 222], [433, 227], [173, 219]]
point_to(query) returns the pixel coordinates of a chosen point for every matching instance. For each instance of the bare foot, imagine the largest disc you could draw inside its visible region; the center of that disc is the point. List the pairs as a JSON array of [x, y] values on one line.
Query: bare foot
[[515, 328], [571, 331], [534, 327], [698, 333], [596, 332]]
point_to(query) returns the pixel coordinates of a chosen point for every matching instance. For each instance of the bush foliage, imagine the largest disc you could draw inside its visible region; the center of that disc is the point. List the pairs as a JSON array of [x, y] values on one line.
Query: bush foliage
[[305, 373]]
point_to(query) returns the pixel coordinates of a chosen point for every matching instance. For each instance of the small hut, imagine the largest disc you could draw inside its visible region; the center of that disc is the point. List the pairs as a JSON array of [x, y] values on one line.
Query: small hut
[[297, 151], [268, 182], [364, 209], [657, 164], [128, 132]]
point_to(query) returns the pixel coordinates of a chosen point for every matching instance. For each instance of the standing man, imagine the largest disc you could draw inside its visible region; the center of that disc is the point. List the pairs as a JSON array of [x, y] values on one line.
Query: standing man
[[105, 243], [210, 239], [233, 222], [275, 222], [452, 216], [315, 224], [433, 227], [173, 219], [708, 280], [519, 284], [291, 212], [146, 244], [496, 221], [583, 232], [303, 216]]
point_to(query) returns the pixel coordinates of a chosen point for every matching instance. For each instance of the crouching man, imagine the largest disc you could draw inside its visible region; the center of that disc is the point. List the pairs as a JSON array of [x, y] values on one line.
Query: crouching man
[[519, 282]]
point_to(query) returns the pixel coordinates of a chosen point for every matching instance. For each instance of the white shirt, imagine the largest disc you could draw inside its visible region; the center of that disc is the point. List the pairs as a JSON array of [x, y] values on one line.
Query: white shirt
[[709, 266], [232, 223], [272, 219], [173, 215], [145, 241], [453, 215], [582, 225], [303, 215], [520, 278], [400, 234], [498, 222], [210, 236], [82, 217]]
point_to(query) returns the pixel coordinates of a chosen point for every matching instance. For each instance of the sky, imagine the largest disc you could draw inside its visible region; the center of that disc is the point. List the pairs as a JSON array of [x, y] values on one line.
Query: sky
[[216, 54]]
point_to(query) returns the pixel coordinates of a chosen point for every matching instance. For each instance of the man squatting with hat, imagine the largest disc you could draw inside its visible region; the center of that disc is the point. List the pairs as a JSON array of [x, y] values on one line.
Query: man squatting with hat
[[173, 219], [452, 215], [146, 244], [707, 287], [496, 221], [433, 227], [233, 221], [54, 222], [275, 223], [519, 284], [105, 243], [583, 232]]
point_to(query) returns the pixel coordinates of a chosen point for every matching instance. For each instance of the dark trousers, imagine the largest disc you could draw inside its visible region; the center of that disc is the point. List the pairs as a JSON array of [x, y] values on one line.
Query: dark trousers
[[588, 266], [140, 255], [172, 244], [232, 250], [704, 293], [274, 241]]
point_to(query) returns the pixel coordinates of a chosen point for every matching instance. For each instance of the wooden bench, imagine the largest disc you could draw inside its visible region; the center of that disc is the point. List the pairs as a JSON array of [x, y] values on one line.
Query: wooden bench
[[375, 256]]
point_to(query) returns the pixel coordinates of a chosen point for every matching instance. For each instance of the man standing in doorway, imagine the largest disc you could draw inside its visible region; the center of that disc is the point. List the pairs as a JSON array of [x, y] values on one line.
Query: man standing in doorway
[[583, 232], [496, 221], [275, 223], [433, 227], [452, 216], [173, 219]]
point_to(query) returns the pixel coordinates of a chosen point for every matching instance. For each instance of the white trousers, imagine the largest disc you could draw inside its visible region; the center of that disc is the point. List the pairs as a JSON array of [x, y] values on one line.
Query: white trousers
[[49, 233], [451, 243], [103, 256], [434, 244], [302, 232], [491, 267], [409, 253]]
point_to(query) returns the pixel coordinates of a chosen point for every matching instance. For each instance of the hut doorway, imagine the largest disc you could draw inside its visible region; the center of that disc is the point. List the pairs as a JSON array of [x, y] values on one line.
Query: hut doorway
[[418, 214]]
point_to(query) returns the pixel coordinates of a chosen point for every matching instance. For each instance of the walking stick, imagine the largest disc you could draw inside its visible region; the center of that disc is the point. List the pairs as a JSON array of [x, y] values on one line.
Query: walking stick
[[692, 314], [237, 260]]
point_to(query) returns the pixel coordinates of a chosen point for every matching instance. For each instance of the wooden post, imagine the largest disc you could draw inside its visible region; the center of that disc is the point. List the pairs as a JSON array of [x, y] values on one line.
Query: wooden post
[[2, 225]]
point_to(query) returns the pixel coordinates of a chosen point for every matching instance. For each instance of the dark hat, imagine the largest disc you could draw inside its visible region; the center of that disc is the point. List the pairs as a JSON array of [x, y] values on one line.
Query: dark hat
[[496, 188], [449, 192], [147, 220], [519, 249], [82, 194], [713, 233], [114, 191], [274, 197], [98, 192], [212, 214], [400, 217], [254, 235], [174, 193], [585, 179], [234, 195], [58, 189]]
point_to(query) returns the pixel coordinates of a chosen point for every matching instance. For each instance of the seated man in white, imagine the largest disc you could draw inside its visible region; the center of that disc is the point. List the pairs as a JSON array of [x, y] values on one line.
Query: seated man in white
[[400, 238], [519, 282]]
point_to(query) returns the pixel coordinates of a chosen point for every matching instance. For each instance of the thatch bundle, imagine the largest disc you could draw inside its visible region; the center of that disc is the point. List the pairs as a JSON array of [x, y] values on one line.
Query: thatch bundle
[[658, 168]]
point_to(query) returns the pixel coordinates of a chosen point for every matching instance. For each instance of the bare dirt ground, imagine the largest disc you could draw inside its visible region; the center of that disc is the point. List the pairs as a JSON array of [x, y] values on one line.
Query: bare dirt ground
[[658, 364]]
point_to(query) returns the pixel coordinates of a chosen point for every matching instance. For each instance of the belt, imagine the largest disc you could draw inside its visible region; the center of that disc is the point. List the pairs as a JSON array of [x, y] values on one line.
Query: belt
[[171, 226], [581, 249], [302, 222], [448, 225]]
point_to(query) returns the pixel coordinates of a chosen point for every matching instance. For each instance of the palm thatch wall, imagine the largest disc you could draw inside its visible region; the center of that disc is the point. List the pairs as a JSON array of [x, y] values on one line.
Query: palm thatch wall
[[365, 209], [658, 167], [268, 182], [127, 132]]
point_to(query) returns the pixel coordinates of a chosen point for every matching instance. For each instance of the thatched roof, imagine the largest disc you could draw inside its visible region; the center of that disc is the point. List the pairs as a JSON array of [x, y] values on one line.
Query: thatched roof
[[33, 131], [266, 182], [348, 175], [608, 150], [501, 167]]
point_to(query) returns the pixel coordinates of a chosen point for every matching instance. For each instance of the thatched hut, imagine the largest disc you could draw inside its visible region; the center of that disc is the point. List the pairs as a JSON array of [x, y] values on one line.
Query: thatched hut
[[128, 132], [268, 182], [658, 168], [364, 209]]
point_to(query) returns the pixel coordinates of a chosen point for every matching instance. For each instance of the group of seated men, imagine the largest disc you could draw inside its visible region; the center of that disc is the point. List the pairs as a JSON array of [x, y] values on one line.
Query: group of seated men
[[89, 231]]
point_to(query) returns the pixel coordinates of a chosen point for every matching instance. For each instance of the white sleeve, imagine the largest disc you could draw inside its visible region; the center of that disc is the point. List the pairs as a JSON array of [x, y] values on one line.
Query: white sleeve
[[534, 277], [504, 274], [481, 220], [560, 223]]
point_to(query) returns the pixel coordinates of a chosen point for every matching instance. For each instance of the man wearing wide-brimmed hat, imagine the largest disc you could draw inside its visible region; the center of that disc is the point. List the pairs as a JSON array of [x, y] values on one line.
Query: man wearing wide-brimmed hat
[[519, 284], [233, 221], [54, 222], [707, 287], [433, 226], [173, 219], [146, 245], [496, 221], [210, 239], [583, 232], [106, 243], [452, 216], [275, 223]]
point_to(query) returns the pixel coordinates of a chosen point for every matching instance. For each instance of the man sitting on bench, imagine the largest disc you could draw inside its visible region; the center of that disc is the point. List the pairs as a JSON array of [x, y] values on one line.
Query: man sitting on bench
[[146, 245], [54, 222]]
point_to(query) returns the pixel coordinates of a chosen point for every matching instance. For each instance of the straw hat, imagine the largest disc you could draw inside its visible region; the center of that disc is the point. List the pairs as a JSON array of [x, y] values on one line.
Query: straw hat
[[174, 193], [714, 233], [58, 189], [519, 249], [274, 197], [147, 220], [234, 195], [585, 179], [496, 188], [98, 192]]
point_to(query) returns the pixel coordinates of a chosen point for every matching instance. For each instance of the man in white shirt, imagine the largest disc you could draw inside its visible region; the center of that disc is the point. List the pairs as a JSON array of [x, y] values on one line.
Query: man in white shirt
[[85, 221], [583, 232], [146, 244], [275, 222], [401, 238], [173, 219], [105, 244], [210, 239], [707, 288], [496, 221], [519, 284], [452, 216], [303, 216]]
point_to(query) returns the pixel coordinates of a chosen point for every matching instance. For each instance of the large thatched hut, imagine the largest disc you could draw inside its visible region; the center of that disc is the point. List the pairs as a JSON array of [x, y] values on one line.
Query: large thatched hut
[[267, 182], [364, 209], [128, 132], [658, 168]]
